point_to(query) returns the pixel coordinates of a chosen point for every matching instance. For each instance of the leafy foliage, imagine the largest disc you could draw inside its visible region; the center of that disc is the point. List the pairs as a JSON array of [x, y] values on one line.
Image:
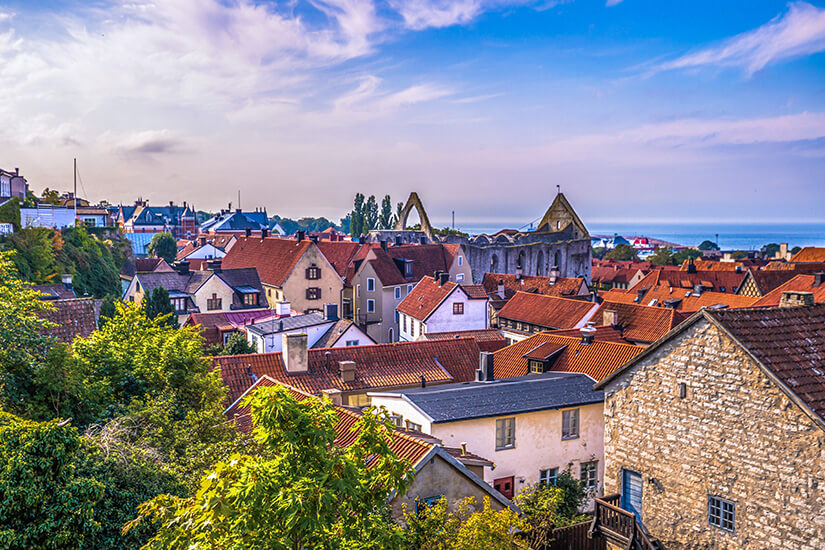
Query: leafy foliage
[[46, 502], [159, 306], [621, 252], [465, 528], [163, 245], [301, 491], [10, 212], [385, 220], [548, 507], [708, 245]]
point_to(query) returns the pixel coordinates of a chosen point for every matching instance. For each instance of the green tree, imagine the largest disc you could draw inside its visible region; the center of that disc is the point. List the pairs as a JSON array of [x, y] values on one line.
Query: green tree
[[795, 249], [770, 250], [357, 216], [385, 218], [621, 252], [739, 255], [237, 344], [34, 256], [464, 528], [546, 508], [10, 212], [687, 254], [159, 306], [370, 214], [399, 209], [50, 196], [163, 245], [662, 256], [300, 492], [93, 262], [46, 503], [107, 310], [708, 245]]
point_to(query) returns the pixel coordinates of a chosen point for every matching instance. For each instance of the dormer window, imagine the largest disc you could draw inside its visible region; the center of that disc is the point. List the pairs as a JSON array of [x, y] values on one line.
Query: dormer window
[[536, 366]]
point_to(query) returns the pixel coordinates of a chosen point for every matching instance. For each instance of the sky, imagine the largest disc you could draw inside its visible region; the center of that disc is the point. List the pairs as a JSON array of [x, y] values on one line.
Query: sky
[[638, 110]]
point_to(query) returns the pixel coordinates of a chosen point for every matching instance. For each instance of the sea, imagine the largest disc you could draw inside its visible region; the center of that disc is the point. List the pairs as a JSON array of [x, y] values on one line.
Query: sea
[[731, 236]]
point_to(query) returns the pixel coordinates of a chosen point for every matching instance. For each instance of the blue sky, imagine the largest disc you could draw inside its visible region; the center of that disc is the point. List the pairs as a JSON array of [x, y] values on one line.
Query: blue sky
[[640, 110]]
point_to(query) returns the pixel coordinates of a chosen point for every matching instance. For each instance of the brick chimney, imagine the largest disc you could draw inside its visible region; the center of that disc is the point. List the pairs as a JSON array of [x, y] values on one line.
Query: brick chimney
[[295, 354], [501, 289], [346, 370], [485, 372], [610, 318], [792, 298]]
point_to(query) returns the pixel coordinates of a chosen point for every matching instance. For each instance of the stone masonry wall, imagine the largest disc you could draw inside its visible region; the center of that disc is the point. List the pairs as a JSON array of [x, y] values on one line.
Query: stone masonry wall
[[736, 436]]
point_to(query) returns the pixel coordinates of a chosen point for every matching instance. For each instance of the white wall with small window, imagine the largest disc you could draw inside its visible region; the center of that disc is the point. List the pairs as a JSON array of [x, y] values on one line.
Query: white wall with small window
[[532, 447]]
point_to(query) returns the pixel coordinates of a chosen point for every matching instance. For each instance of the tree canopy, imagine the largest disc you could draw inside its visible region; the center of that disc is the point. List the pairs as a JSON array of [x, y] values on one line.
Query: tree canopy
[[708, 245], [621, 252], [163, 245]]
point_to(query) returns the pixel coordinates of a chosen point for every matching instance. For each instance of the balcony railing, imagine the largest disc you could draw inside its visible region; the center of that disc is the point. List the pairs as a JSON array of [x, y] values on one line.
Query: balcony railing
[[619, 526]]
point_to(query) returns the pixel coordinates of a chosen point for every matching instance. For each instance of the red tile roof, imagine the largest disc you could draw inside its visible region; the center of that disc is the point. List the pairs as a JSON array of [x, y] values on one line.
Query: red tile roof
[[612, 275], [341, 254], [716, 281], [381, 366], [641, 323], [425, 298], [596, 360], [488, 339], [813, 267], [600, 334], [74, 317], [404, 444], [213, 323], [564, 286], [683, 298], [809, 254], [426, 260], [148, 265], [800, 283], [274, 258], [546, 311]]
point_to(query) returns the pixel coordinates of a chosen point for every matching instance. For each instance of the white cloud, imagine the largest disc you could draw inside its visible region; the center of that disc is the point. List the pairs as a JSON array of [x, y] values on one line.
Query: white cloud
[[611, 3], [424, 14], [799, 32]]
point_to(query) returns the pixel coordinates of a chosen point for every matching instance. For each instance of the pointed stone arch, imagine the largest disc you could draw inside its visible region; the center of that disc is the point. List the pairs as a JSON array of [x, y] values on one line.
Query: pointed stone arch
[[415, 202]]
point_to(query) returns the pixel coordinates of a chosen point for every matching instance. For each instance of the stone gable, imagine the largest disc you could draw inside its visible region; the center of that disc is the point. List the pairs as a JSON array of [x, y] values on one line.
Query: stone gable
[[735, 435]]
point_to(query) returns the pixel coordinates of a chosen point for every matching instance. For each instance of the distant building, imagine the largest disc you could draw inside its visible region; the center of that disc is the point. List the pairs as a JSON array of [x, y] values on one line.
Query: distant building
[[528, 313], [237, 222], [266, 335], [12, 184], [206, 247], [74, 317], [714, 436], [181, 221], [440, 305]]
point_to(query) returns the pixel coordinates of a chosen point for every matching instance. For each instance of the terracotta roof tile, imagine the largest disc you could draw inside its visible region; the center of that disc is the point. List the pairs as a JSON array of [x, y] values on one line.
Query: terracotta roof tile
[[809, 254], [274, 258], [213, 323], [74, 317], [601, 333], [379, 366], [488, 339], [425, 297], [564, 286], [547, 311], [682, 298], [716, 281], [800, 283], [56, 291], [341, 254], [596, 360], [403, 444], [790, 342], [426, 260], [641, 323]]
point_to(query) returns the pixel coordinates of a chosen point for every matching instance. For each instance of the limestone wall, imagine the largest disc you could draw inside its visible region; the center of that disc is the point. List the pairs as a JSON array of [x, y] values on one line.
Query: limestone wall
[[735, 436]]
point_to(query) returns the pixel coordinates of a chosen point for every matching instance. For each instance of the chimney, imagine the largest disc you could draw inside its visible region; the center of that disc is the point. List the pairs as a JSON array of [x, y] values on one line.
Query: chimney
[[588, 332], [171, 203], [334, 396], [819, 278], [247, 232], [202, 241], [443, 278], [697, 290], [610, 318], [314, 238], [518, 273], [264, 233], [463, 448], [501, 289], [640, 294], [214, 265], [485, 367], [691, 267], [398, 240], [346, 370], [182, 267], [554, 274], [17, 171], [331, 312], [792, 298], [66, 279], [283, 309], [295, 354], [384, 246], [252, 376], [299, 235]]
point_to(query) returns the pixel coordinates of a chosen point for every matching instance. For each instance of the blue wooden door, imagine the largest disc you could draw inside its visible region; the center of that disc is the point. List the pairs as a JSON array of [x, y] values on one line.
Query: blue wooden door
[[632, 492]]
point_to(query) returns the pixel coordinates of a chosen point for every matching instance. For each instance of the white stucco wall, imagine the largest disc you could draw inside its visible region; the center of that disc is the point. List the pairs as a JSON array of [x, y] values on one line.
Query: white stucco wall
[[274, 342], [205, 252], [443, 319], [353, 333]]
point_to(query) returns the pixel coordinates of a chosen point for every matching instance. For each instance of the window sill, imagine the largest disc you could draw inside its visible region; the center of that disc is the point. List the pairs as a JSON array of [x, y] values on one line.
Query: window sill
[[511, 447], [569, 437]]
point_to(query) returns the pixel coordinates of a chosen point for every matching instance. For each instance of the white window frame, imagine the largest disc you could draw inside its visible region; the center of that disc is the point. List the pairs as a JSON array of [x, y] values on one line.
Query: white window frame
[[505, 433], [398, 293], [370, 284], [548, 476], [589, 474], [570, 424], [409, 288], [459, 277], [370, 306]]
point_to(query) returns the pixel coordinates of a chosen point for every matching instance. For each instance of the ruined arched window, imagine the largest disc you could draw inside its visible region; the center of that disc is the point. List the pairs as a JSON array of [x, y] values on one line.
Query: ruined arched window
[[540, 263], [494, 264], [557, 260]]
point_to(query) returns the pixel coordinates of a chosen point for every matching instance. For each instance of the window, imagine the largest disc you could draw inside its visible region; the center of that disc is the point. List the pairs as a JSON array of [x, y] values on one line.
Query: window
[[458, 308], [352, 343], [590, 474], [413, 427], [421, 504], [459, 277], [536, 366], [396, 315], [250, 299], [721, 513], [398, 293], [570, 424], [314, 293], [505, 433], [548, 477], [370, 284], [370, 306], [179, 304], [397, 420], [213, 303], [391, 336], [313, 273], [406, 329], [461, 260], [357, 290], [409, 288]]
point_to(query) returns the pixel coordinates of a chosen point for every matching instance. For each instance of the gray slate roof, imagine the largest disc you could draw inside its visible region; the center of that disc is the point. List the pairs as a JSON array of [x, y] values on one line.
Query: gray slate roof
[[289, 323], [466, 400]]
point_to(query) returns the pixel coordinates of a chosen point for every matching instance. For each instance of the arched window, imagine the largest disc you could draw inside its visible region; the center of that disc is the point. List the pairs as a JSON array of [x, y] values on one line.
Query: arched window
[[557, 260], [540, 263], [521, 263], [391, 336], [494, 264]]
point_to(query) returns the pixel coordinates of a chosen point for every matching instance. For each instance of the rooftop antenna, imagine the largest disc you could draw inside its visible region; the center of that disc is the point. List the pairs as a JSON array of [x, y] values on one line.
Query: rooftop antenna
[[75, 191], [558, 189], [239, 199], [453, 219]]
